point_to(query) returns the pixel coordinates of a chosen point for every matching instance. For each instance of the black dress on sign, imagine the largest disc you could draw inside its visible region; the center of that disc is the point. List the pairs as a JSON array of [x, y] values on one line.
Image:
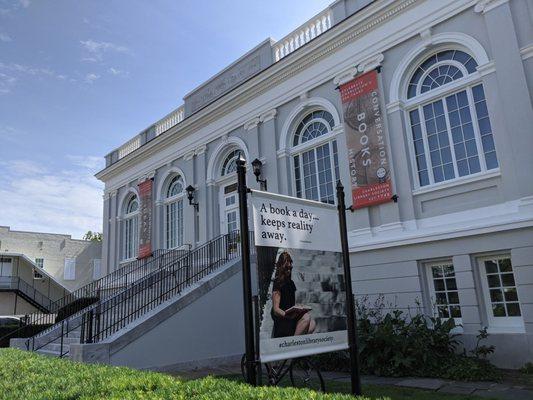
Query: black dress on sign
[[284, 326]]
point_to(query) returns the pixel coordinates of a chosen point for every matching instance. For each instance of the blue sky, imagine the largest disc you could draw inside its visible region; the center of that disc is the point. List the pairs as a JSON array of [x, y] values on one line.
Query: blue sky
[[79, 78]]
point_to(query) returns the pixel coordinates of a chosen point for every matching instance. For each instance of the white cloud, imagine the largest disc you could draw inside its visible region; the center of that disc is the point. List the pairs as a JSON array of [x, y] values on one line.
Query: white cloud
[[9, 7], [5, 37], [6, 83], [90, 162], [10, 134], [34, 71], [35, 198], [96, 50], [91, 78], [118, 72]]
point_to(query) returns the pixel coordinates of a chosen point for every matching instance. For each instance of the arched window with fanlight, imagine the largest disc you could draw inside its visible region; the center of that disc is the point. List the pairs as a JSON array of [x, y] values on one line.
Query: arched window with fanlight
[[174, 212], [449, 121], [131, 228], [315, 157], [229, 165]]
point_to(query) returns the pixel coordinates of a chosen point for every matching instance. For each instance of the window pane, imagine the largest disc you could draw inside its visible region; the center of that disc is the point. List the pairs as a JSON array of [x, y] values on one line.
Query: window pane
[[510, 294], [491, 267], [453, 298], [513, 309], [508, 279], [494, 281], [297, 176], [498, 310], [451, 284], [496, 295], [419, 148], [455, 311], [485, 128], [439, 284], [502, 293], [438, 142], [445, 288]]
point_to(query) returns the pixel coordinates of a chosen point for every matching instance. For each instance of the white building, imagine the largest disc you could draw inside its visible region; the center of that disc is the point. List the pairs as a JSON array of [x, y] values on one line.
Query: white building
[[70, 262], [456, 80]]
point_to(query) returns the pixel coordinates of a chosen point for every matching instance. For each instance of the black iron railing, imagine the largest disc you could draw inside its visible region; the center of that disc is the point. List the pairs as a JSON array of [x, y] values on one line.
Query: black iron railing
[[27, 290], [113, 314], [171, 273], [105, 287]]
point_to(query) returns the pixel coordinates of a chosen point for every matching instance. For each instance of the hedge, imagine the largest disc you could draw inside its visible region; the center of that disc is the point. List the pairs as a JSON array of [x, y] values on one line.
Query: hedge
[[28, 376]]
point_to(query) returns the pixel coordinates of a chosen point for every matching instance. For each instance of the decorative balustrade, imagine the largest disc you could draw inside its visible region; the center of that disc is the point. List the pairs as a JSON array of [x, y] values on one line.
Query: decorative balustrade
[[313, 28], [129, 147], [172, 119], [304, 34]]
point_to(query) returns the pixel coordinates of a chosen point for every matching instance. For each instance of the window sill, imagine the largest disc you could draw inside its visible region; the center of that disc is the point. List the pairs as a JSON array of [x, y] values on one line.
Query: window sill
[[457, 182], [128, 260], [506, 329]]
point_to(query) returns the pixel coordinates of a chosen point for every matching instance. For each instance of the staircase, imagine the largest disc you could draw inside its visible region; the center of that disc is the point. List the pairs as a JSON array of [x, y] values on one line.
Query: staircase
[[167, 276], [100, 289], [26, 291]]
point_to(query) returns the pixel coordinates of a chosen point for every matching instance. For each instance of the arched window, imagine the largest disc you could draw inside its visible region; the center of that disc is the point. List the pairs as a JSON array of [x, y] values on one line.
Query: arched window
[[315, 159], [174, 212], [131, 228], [450, 125], [229, 165]]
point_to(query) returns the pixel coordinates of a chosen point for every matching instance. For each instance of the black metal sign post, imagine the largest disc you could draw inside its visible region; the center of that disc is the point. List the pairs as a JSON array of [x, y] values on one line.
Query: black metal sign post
[[350, 305], [246, 273]]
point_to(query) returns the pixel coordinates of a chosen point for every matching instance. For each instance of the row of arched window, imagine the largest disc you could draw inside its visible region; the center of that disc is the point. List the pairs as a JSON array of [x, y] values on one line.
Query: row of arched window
[[450, 137]]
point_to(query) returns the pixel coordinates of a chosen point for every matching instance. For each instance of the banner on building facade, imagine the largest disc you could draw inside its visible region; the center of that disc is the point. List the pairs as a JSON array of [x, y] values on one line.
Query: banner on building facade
[[366, 140], [145, 234], [302, 300]]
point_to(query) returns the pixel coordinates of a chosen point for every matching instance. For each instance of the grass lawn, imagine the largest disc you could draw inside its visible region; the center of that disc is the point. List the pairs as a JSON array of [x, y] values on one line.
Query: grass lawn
[[27, 376]]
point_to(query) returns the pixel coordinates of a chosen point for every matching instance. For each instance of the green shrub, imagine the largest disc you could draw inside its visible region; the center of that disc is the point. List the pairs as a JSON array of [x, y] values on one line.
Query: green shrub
[[74, 306], [527, 368], [28, 376], [396, 344]]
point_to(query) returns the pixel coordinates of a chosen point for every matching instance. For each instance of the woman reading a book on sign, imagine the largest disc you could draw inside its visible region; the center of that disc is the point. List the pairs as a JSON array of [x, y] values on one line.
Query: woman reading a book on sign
[[289, 319]]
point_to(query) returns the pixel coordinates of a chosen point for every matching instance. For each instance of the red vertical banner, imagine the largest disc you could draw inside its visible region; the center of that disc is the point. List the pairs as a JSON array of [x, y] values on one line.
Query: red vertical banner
[[367, 144], [145, 234]]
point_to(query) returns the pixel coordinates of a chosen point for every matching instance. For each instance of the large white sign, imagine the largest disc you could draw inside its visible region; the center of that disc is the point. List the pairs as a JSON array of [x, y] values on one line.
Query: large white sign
[[301, 279], [283, 221]]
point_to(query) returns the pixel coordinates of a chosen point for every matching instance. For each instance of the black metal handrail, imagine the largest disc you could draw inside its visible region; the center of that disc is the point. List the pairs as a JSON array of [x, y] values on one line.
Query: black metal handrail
[[65, 327], [17, 283], [104, 287], [111, 315]]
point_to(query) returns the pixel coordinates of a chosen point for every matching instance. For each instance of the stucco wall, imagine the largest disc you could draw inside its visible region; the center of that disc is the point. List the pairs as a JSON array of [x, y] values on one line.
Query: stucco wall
[[210, 327], [54, 249], [9, 305]]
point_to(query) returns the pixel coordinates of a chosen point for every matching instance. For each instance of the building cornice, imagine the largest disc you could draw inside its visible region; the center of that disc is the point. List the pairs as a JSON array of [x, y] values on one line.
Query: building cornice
[[267, 116], [329, 42], [338, 37], [251, 124], [526, 52], [484, 6]]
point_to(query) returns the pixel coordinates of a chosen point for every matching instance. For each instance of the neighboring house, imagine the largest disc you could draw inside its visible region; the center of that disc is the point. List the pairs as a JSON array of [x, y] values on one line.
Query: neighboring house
[[71, 262], [456, 78], [20, 291]]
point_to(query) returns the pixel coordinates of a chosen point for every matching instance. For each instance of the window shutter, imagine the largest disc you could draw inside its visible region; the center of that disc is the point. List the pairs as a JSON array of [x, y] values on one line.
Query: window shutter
[[69, 273], [97, 267]]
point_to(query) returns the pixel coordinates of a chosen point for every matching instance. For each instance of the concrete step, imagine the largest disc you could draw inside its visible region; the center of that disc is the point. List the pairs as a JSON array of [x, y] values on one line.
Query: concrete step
[[55, 348]]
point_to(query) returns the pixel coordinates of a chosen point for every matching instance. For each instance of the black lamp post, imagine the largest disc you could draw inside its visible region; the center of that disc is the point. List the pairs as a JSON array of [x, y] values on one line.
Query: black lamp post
[[190, 195], [256, 165]]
